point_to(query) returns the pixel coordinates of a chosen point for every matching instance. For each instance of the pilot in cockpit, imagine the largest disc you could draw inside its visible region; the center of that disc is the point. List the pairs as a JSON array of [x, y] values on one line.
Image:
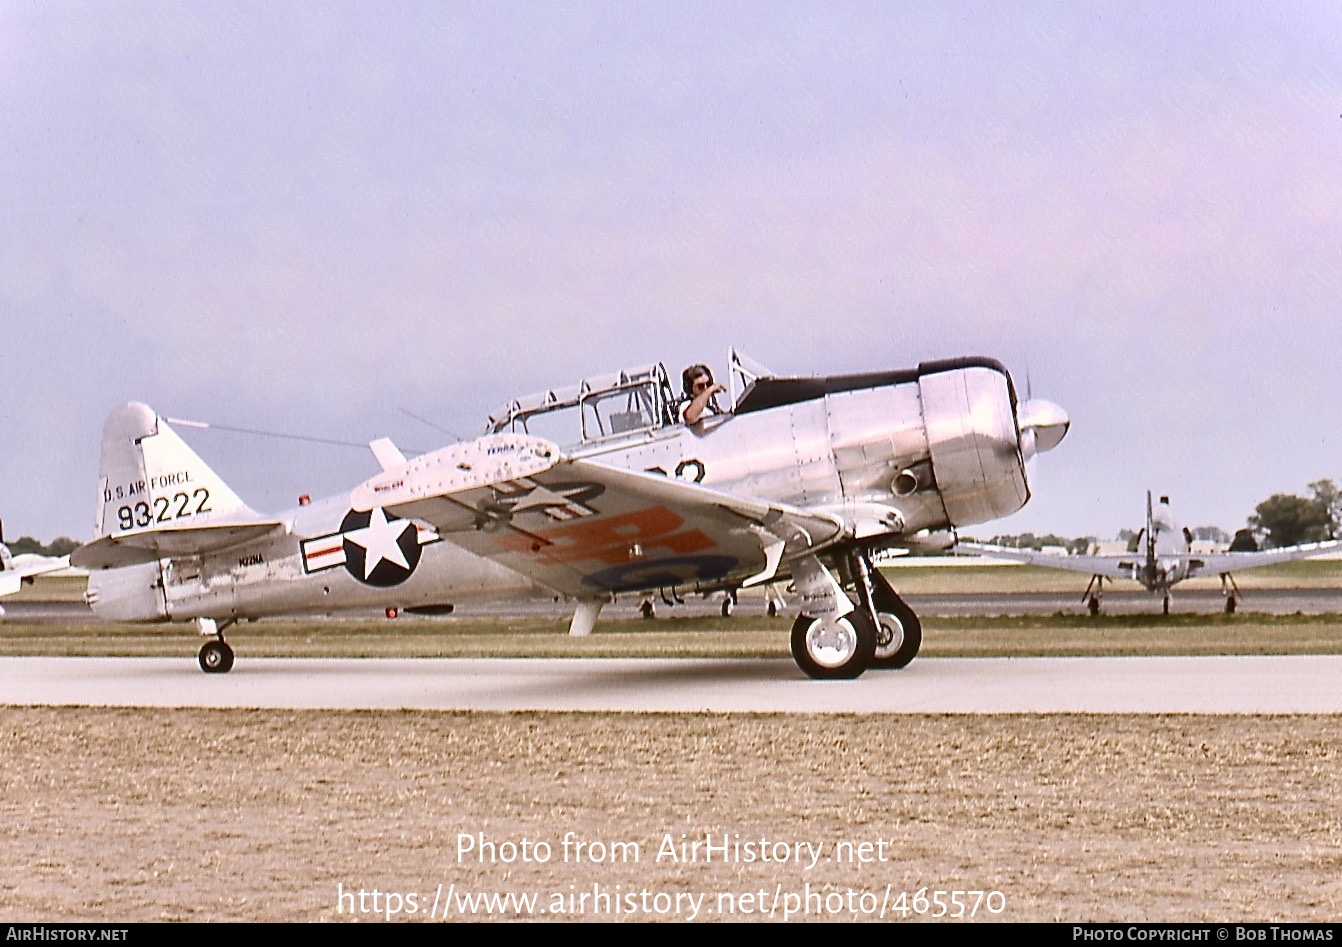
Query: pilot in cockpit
[[699, 397]]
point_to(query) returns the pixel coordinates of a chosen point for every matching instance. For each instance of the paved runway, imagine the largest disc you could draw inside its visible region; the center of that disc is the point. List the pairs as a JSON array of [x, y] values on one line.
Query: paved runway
[[1222, 685]]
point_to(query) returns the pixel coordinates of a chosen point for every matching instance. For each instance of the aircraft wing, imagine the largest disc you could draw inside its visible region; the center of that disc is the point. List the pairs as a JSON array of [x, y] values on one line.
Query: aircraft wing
[[1216, 563], [1118, 567], [586, 529], [11, 580]]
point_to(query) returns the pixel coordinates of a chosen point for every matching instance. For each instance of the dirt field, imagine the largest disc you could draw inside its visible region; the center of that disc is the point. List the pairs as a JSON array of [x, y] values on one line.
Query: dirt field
[[127, 815]]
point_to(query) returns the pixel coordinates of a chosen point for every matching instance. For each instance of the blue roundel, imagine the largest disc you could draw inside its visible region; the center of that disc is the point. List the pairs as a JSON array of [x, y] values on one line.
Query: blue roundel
[[664, 573]]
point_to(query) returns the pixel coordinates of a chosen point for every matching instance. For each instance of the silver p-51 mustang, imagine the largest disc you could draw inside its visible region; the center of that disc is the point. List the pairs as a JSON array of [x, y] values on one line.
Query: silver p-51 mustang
[[1163, 559], [592, 492]]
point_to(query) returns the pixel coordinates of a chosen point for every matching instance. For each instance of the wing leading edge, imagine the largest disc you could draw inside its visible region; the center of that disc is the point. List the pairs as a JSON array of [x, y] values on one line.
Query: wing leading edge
[[1222, 562], [1118, 567]]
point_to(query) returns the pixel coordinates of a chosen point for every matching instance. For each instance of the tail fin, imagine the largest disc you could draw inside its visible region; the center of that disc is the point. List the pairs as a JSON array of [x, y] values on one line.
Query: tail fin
[[1150, 532], [149, 478]]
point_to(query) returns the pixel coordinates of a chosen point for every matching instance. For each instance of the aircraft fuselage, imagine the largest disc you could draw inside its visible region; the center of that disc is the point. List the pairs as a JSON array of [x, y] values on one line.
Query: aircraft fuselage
[[893, 454]]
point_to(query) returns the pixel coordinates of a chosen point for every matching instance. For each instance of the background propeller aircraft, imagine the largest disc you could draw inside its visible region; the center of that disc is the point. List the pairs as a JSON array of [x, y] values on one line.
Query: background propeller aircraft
[[588, 493], [16, 571], [1163, 559]]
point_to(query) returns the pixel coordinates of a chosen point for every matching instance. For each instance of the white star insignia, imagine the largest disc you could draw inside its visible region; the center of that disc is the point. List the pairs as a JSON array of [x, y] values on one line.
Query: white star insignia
[[378, 539], [542, 497]]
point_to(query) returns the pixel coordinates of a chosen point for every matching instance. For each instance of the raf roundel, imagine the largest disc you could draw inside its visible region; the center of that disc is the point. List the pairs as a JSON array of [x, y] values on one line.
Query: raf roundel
[[379, 549]]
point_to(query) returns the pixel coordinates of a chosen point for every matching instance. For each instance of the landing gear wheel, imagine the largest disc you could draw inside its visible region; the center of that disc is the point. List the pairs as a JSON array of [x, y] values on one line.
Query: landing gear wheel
[[773, 610], [1093, 605], [216, 657], [1165, 609], [838, 649], [727, 608], [647, 609], [1230, 604], [898, 636]]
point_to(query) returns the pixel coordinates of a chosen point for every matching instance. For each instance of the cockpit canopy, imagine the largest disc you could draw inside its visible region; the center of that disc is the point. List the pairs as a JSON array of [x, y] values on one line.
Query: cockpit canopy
[[621, 404], [639, 400]]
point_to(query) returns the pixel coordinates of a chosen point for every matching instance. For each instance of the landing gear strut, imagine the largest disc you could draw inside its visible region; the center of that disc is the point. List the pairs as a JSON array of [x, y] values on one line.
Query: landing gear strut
[[881, 632], [215, 657], [1094, 590], [1230, 590]]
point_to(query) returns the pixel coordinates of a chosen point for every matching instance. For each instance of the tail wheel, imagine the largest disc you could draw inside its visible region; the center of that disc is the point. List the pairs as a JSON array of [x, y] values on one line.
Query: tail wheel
[[216, 657], [834, 649]]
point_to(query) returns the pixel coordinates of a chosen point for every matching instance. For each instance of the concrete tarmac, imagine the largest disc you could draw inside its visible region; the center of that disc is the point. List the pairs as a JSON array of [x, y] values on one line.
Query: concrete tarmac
[[1145, 685]]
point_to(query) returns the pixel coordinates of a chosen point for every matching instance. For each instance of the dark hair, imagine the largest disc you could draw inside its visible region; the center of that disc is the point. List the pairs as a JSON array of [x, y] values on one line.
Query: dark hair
[[688, 376]]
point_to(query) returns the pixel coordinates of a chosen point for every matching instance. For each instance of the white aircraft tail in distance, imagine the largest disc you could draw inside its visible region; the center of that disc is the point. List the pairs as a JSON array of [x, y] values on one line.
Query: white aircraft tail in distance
[[591, 492], [1163, 558]]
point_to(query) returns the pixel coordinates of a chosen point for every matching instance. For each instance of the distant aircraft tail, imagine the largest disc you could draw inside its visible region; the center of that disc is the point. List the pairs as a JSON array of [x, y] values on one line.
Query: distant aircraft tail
[[1150, 533]]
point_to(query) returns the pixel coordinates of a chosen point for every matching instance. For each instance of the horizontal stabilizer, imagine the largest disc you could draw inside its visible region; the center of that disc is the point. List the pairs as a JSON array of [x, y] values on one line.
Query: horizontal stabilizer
[[151, 545]]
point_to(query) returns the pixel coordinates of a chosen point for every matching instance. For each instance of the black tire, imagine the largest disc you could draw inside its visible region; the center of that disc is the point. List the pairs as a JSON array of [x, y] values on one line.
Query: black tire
[[1230, 605], [647, 609], [216, 657], [834, 650], [898, 638], [726, 608], [772, 610], [1093, 606], [900, 633]]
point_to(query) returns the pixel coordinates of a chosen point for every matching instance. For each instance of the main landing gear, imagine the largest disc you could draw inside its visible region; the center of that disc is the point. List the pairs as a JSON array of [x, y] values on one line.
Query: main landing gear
[[1230, 590], [882, 631], [1093, 593], [215, 657]]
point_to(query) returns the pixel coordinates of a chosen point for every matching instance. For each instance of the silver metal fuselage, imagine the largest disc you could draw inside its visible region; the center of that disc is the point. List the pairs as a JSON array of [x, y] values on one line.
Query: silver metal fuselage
[[894, 454]]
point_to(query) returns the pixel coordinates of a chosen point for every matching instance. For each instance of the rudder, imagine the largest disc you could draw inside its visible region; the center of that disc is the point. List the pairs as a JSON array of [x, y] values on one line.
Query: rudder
[[149, 478]]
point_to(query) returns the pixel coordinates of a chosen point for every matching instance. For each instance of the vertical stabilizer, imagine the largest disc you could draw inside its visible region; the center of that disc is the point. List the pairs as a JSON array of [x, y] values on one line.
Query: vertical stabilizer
[[150, 478], [1150, 534]]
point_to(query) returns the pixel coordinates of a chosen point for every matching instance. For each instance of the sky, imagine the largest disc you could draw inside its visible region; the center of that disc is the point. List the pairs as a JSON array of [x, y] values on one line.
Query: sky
[[355, 220]]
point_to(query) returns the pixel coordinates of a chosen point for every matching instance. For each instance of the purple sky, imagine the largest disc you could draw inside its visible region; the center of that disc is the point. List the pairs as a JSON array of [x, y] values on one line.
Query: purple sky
[[319, 217]]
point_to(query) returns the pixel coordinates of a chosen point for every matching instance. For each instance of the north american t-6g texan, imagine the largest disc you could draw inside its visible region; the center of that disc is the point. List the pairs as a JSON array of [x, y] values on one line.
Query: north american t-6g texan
[[1163, 558], [592, 492]]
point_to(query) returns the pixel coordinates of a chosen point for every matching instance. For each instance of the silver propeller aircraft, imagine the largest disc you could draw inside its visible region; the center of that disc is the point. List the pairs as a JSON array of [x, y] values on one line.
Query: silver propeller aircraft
[[1163, 559], [588, 493], [18, 571]]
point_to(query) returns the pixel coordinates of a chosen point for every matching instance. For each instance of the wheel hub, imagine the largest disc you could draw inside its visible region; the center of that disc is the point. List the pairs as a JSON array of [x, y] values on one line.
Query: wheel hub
[[831, 644], [889, 636]]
